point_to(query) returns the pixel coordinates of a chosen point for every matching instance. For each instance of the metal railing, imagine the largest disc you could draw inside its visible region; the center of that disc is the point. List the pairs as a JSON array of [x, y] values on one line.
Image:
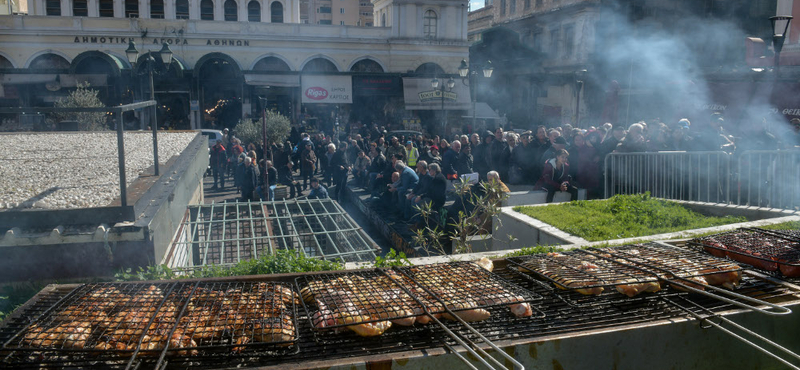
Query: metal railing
[[761, 178], [697, 176], [769, 178]]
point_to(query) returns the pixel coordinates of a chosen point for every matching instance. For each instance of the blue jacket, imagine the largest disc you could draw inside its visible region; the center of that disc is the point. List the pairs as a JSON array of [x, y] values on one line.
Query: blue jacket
[[318, 193], [408, 180]]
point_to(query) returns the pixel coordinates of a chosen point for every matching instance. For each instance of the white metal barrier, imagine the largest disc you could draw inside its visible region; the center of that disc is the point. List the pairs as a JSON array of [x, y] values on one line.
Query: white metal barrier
[[697, 176], [762, 178], [769, 178]]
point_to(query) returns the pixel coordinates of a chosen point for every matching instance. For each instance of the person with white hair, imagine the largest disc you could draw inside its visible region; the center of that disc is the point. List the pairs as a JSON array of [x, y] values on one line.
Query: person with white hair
[[250, 180], [327, 169], [408, 180]]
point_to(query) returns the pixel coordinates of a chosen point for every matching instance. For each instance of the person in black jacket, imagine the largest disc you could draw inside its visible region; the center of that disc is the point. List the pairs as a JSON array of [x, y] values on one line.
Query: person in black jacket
[[340, 167], [286, 177], [249, 180], [464, 163], [436, 189], [449, 161], [272, 180], [414, 197]]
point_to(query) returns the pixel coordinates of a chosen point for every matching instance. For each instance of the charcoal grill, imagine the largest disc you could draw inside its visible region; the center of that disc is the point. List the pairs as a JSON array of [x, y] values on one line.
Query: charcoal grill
[[763, 249], [601, 315], [130, 324], [406, 295]]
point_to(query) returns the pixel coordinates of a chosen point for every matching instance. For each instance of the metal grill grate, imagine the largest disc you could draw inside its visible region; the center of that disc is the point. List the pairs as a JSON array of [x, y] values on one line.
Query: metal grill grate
[[765, 250], [584, 273], [343, 349], [126, 324], [668, 261], [226, 233]]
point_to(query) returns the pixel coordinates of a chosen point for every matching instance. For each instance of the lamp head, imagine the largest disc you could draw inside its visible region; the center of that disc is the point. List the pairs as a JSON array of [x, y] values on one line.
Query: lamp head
[[463, 69], [166, 54], [488, 69], [780, 24], [451, 83], [435, 82], [131, 52]]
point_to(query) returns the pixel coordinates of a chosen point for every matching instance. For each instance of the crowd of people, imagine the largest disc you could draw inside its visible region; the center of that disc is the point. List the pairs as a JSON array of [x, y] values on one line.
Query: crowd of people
[[403, 171]]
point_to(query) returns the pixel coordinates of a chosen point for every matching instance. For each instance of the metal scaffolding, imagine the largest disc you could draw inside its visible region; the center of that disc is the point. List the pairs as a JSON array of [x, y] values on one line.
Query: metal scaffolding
[[226, 233]]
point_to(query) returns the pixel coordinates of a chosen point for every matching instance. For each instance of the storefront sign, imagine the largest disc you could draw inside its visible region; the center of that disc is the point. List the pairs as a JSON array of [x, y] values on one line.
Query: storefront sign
[[327, 89], [157, 41], [419, 95], [377, 86]]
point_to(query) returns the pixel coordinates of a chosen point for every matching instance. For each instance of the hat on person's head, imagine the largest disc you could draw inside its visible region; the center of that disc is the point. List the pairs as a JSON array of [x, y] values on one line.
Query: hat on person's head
[[488, 133], [434, 147], [529, 132], [408, 142], [560, 140]]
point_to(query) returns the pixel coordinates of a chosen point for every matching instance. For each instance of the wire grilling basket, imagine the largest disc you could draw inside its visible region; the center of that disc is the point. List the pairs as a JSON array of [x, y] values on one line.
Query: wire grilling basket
[[406, 295], [127, 324], [763, 249]]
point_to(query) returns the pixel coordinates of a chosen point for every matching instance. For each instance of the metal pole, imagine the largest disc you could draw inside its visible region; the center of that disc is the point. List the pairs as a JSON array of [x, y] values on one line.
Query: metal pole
[[444, 125], [474, 98], [578, 105], [123, 192], [153, 120]]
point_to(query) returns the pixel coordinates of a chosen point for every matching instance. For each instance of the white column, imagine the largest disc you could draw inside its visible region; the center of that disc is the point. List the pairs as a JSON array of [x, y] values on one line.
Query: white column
[[194, 9], [119, 9], [169, 9], [94, 10], [219, 11], [66, 8], [242, 7], [144, 9]]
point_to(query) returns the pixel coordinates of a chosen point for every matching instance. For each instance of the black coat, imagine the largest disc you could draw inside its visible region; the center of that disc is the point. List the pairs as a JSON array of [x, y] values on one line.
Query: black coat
[[249, 181], [436, 191]]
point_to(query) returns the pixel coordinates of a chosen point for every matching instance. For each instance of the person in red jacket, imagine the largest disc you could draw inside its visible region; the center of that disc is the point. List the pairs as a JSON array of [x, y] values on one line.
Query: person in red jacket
[[555, 177]]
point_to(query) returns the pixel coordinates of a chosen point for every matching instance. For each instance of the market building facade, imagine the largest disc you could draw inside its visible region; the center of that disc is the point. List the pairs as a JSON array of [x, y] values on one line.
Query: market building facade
[[232, 66]]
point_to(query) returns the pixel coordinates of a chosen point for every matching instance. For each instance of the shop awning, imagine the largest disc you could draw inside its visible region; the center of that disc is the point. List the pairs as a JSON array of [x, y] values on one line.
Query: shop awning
[[60, 80], [272, 80], [419, 95], [482, 111]]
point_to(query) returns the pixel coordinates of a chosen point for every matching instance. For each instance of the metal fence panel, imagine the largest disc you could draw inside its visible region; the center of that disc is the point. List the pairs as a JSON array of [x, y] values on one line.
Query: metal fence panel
[[696, 176], [769, 178]]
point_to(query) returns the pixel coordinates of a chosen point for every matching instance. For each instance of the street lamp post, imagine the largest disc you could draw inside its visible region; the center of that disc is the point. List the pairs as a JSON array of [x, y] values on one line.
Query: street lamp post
[[166, 58], [449, 84], [780, 24], [464, 72], [579, 75]]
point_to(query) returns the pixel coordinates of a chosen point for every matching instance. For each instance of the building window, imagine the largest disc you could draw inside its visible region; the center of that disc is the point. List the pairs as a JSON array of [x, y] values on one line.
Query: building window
[[383, 20], [324, 10], [325, 21], [131, 8], [512, 7], [207, 10], [538, 3], [569, 41], [341, 10], [182, 9], [80, 8], [53, 7], [341, 23], [502, 7], [106, 8], [231, 11], [554, 36], [429, 22], [253, 11], [276, 12], [527, 4], [157, 9], [537, 41]]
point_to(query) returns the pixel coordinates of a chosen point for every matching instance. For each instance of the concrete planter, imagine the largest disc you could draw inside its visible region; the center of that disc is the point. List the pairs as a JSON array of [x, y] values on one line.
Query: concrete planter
[[516, 230]]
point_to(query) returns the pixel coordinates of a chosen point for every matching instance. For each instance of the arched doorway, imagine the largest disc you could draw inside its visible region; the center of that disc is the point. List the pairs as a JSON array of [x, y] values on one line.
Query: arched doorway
[[271, 87], [320, 65], [367, 66], [171, 90], [429, 69], [102, 72], [219, 79]]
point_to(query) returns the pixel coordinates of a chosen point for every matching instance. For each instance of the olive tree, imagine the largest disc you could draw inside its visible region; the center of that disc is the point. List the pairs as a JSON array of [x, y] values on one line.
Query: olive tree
[[82, 97], [278, 127]]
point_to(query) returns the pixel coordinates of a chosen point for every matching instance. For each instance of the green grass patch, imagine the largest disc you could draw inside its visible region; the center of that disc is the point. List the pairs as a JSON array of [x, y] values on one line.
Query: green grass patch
[[280, 263], [623, 216], [791, 225]]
